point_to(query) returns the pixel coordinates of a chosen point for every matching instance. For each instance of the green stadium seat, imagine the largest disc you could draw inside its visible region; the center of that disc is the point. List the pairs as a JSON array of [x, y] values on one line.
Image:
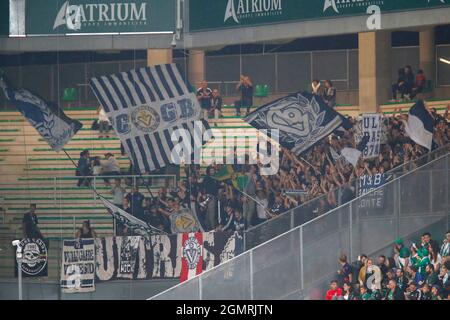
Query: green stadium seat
[[428, 87], [70, 95], [261, 90]]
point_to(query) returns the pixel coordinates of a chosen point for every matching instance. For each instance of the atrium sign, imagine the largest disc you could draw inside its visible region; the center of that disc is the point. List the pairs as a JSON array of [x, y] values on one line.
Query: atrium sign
[[102, 16], [338, 5], [220, 14], [249, 9]]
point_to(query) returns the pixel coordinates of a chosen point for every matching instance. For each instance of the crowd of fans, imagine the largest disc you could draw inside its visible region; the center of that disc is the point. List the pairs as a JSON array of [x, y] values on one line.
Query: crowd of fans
[[219, 205], [418, 272]]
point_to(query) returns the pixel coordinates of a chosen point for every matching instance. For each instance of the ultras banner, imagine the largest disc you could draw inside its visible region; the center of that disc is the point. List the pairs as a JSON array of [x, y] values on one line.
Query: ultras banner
[[78, 266], [161, 256]]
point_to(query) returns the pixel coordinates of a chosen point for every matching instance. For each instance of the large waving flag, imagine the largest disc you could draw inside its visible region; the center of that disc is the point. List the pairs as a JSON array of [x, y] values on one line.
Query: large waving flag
[[49, 120], [145, 106], [302, 118], [420, 125]]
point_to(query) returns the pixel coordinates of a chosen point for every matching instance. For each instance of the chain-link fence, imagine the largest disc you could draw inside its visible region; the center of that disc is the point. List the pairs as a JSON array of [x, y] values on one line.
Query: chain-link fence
[[299, 263]]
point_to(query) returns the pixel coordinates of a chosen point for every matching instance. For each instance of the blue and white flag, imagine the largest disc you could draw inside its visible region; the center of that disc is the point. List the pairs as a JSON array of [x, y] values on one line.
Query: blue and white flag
[[145, 106], [136, 225], [420, 125], [49, 120], [351, 155], [303, 120]]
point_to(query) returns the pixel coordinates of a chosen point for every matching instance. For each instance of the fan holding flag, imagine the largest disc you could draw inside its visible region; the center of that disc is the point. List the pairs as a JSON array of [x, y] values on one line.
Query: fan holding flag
[[420, 124]]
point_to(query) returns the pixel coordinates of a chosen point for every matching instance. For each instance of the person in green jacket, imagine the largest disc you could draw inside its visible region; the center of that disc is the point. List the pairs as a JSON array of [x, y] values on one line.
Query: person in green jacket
[[401, 254], [423, 261], [364, 295]]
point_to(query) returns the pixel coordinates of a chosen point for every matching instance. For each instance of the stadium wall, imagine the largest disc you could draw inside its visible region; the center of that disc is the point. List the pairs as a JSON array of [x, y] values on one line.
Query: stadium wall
[[114, 290]]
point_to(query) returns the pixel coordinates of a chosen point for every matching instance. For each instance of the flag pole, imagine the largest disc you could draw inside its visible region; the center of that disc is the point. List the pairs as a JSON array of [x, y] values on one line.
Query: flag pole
[[245, 194]]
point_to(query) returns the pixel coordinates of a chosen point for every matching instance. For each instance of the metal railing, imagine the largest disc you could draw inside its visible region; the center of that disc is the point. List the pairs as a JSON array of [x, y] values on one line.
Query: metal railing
[[59, 193], [313, 208], [298, 264]]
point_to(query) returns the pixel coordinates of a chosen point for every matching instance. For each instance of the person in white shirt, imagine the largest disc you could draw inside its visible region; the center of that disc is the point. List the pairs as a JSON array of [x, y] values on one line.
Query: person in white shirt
[[118, 193], [261, 206], [103, 123], [110, 167]]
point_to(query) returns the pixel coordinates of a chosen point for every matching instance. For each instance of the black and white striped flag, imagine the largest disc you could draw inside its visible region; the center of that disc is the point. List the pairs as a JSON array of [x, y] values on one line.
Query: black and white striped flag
[[147, 108]]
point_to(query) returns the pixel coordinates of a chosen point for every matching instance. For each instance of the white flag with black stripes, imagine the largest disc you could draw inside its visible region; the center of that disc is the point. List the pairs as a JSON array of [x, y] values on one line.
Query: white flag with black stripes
[[147, 108]]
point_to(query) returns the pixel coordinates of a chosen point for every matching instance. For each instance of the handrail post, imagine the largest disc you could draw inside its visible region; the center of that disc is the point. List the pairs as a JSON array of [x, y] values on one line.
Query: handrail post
[[447, 178], [251, 275], [244, 240], [200, 295], [350, 230], [398, 200], [95, 188], [54, 192], [292, 218], [431, 189], [302, 284]]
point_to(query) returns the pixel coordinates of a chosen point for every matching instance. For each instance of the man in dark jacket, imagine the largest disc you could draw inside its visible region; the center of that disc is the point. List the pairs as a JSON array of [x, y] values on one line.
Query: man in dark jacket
[[84, 168], [216, 104], [136, 199], [30, 224], [211, 186], [394, 293]]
